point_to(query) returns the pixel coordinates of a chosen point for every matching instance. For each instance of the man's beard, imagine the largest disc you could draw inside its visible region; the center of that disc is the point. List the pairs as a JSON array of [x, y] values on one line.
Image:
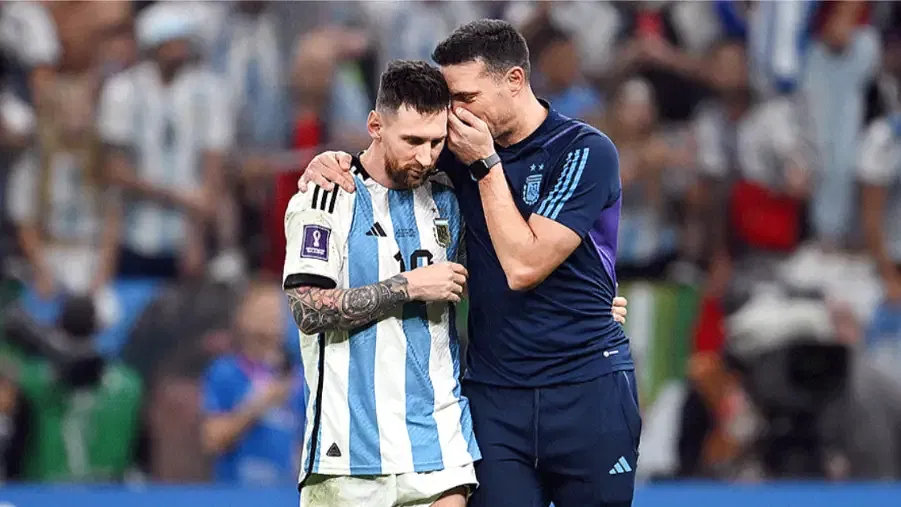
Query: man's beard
[[411, 176]]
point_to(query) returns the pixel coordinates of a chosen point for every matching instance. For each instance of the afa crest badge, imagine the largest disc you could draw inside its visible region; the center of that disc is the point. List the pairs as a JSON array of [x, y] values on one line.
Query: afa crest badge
[[532, 189], [442, 232]]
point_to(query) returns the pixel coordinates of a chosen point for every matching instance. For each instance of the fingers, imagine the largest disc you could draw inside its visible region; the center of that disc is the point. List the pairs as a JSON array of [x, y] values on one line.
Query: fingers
[[465, 116], [459, 269], [471, 120], [454, 122], [619, 310], [459, 280], [344, 160], [322, 181], [303, 182]]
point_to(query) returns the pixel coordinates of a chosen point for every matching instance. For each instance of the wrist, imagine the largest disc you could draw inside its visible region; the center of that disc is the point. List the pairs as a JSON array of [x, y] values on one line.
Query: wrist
[[412, 291], [481, 168]]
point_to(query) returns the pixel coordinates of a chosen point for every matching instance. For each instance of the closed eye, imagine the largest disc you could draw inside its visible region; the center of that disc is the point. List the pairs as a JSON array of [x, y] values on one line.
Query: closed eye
[[465, 97]]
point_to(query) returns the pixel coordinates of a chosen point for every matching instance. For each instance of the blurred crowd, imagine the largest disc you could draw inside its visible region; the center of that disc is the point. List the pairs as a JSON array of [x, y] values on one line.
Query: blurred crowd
[[148, 151]]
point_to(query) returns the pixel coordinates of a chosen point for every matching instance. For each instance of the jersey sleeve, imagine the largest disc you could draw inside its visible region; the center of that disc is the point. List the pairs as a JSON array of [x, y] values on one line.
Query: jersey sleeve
[[316, 234], [586, 184]]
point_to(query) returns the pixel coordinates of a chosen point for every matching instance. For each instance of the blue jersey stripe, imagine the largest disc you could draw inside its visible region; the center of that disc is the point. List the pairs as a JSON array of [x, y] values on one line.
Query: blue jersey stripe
[[421, 425], [363, 269], [573, 182], [559, 187]]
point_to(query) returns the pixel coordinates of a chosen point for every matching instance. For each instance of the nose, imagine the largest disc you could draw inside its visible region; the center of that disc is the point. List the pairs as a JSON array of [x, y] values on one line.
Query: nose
[[424, 155]]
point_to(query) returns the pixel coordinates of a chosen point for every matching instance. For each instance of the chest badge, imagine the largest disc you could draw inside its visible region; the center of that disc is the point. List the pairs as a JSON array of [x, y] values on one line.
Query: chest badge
[[442, 232], [532, 189]]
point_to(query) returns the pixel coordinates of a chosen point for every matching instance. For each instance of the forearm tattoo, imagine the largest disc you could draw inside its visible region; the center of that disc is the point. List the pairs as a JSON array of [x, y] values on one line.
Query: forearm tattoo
[[317, 310]]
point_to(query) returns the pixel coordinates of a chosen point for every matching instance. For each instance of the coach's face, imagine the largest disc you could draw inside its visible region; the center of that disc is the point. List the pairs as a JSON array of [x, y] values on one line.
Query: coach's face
[[488, 95], [412, 142]]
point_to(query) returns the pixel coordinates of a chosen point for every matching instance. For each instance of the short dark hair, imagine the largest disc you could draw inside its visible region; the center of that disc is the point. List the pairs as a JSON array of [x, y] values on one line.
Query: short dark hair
[[415, 84], [495, 42]]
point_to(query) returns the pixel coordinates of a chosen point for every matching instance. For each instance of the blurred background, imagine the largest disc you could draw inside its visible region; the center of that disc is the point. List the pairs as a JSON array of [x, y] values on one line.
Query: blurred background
[[148, 151]]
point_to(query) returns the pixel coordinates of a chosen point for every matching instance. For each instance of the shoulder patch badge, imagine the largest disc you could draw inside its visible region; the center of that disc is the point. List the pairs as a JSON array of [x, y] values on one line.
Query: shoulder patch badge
[[315, 242]]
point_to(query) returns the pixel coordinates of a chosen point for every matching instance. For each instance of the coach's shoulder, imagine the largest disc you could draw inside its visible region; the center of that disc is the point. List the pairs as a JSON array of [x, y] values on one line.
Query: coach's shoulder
[[591, 144], [585, 135]]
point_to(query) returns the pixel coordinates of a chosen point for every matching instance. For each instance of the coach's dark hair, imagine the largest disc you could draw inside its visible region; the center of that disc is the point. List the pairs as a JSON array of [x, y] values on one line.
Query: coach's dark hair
[[415, 84], [492, 41]]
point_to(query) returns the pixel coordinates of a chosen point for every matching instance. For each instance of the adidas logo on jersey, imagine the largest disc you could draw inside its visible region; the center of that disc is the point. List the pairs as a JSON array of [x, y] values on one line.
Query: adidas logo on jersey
[[377, 231], [620, 467], [333, 451]]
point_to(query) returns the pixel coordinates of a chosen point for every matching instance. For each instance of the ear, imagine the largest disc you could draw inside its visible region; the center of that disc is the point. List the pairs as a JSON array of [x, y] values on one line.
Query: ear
[[516, 79], [374, 125]]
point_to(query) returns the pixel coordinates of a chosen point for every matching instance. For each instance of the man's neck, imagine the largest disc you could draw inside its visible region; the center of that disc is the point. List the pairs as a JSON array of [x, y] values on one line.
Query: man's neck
[[373, 160], [532, 115]]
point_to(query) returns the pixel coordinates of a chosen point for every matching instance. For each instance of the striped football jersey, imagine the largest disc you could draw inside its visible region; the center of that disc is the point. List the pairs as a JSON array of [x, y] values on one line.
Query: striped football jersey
[[385, 397]]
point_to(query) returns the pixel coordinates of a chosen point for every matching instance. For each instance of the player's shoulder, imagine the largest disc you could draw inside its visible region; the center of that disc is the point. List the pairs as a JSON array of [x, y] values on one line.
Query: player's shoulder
[[316, 198]]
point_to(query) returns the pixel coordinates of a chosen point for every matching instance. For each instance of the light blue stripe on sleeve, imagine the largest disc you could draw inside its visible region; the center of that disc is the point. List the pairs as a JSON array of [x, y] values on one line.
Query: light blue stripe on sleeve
[[421, 426], [572, 183], [561, 185], [363, 269]]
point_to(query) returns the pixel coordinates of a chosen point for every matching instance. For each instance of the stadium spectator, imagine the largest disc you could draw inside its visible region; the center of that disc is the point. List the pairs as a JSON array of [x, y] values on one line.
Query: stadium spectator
[[84, 412], [647, 237], [843, 60], [66, 215], [253, 401], [167, 124], [560, 79], [879, 170]]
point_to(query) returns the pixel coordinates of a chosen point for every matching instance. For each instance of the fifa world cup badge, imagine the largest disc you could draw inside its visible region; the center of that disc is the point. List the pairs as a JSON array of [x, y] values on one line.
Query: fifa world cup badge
[[442, 232]]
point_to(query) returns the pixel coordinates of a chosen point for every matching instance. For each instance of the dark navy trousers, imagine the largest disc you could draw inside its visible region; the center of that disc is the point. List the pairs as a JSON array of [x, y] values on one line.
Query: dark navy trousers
[[575, 445]]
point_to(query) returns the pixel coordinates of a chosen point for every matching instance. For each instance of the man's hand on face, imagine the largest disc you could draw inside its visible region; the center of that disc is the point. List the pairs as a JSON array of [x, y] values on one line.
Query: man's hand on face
[[468, 136], [326, 170]]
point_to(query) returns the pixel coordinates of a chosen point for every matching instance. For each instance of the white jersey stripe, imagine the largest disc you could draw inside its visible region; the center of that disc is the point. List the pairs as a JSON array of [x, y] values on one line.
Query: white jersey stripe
[[391, 387]]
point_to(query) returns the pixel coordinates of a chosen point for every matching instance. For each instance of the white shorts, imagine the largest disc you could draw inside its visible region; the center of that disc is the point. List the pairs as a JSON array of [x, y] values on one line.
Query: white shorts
[[409, 490]]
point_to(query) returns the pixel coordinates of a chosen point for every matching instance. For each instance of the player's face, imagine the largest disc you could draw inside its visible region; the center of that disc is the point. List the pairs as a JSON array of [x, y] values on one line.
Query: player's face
[[484, 94], [412, 142]]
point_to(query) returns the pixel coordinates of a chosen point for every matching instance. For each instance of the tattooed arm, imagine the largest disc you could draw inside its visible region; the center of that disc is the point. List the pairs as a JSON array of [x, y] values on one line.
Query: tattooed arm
[[316, 309]]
